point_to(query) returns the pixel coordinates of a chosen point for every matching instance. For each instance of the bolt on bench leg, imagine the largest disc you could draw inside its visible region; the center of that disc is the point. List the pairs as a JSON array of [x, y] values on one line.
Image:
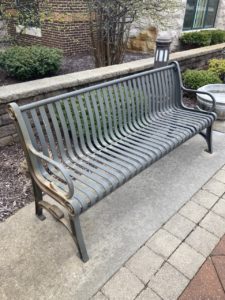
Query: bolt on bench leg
[[78, 237], [38, 198]]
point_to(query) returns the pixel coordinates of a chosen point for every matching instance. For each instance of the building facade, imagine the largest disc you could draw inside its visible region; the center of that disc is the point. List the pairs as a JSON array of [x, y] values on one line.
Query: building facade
[[68, 28], [65, 25], [198, 15], [192, 15]]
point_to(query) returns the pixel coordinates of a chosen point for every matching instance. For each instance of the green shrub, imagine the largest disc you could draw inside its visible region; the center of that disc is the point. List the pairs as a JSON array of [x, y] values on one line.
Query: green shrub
[[196, 38], [218, 36], [196, 78], [27, 63], [217, 66], [202, 38]]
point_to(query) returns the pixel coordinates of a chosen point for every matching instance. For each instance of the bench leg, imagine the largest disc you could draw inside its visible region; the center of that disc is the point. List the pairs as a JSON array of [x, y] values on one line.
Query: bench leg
[[38, 198], [78, 237], [209, 139]]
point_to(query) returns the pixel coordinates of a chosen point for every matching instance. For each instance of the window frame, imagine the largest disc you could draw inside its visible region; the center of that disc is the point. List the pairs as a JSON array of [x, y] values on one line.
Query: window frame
[[33, 30], [206, 9]]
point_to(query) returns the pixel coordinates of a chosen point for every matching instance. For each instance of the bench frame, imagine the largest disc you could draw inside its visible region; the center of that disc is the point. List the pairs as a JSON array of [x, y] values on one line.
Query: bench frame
[[39, 186]]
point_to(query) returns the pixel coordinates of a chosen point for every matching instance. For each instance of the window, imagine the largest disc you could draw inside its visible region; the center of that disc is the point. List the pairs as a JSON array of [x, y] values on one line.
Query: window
[[28, 13], [200, 14]]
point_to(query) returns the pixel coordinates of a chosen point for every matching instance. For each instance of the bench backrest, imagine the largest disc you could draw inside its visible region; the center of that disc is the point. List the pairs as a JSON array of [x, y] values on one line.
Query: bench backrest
[[93, 116]]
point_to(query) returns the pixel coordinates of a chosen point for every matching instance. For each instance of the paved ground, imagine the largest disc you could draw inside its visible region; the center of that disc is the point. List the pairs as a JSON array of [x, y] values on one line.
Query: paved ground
[[163, 267], [209, 282], [38, 259]]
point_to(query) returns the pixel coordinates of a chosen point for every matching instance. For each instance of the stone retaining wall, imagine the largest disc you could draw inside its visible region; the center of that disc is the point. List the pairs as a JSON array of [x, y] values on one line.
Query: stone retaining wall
[[39, 89]]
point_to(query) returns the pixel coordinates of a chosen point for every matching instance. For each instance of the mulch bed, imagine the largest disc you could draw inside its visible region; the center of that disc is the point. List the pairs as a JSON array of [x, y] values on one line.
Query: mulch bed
[[15, 186]]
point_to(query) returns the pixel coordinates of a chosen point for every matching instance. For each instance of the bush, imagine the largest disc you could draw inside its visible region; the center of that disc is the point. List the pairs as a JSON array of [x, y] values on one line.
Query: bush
[[195, 79], [217, 66], [202, 38], [27, 63], [196, 39], [218, 36]]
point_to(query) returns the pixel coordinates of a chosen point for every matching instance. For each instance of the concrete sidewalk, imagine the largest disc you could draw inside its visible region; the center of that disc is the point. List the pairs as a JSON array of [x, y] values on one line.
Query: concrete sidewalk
[[38, 259]]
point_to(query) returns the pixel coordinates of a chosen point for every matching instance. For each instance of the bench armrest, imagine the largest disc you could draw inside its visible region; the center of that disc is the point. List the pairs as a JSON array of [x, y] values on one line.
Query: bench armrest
[[201, 92], [63, 171]]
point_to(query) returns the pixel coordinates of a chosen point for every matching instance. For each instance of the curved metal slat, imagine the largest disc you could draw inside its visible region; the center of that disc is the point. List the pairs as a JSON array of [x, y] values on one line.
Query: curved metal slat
[[106, 134]]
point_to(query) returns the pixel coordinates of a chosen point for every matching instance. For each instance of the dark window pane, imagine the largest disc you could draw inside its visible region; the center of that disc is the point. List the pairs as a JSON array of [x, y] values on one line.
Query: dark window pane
[[29, 13], [211, 13], [189, 14]]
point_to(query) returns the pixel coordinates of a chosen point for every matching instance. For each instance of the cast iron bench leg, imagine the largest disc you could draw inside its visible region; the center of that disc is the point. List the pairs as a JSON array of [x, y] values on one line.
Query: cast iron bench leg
[[209, 139], [74, 221], [78, 237], [38, 198]]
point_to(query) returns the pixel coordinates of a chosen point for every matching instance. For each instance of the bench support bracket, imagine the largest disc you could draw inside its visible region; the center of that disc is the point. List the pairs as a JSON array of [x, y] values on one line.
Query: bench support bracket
[[73, 226], [78, 237], [38, 198]]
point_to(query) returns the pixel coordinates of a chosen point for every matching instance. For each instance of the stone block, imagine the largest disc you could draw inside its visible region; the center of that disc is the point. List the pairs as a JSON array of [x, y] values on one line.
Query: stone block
[[214, 224], [202, 241], [6, 141], [193, 211], [168, 283], [7, 130], [99, 296], [187, 260], [179, 226], [163, 243], [5, 120], [148, 294], [205, 198], [144, 263], [215, 187], [219, 208], [123, 286]]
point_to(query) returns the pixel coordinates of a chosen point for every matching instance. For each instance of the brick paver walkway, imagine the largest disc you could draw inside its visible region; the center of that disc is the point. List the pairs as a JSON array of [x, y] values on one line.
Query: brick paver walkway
[[166, 266], [209, 282]]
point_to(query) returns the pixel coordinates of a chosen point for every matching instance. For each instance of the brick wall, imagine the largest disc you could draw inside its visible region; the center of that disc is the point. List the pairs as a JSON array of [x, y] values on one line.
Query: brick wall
[[68, 29]]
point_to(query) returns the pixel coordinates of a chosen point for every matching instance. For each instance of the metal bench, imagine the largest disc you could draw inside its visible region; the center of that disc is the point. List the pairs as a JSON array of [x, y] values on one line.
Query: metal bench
[[83, 145]]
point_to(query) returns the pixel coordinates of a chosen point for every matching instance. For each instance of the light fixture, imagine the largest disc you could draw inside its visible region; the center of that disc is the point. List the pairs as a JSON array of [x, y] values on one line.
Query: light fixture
[[162, 51]]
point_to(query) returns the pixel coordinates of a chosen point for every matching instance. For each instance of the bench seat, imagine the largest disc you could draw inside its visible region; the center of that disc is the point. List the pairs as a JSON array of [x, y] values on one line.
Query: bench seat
[[128, 155]]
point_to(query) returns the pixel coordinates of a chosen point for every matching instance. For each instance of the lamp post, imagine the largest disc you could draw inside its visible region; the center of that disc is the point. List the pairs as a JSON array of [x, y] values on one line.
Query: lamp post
[[162, 51]]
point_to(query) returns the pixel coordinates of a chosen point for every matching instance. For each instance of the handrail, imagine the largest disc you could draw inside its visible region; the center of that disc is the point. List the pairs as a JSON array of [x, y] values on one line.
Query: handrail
[[58, 166], [201, 92]]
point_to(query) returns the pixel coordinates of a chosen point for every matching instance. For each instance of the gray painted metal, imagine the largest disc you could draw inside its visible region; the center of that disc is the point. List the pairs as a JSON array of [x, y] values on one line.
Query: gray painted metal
[[83, 145]]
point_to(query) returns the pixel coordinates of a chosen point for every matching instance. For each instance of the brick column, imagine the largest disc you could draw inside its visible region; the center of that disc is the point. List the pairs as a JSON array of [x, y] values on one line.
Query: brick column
[[66, 29]]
